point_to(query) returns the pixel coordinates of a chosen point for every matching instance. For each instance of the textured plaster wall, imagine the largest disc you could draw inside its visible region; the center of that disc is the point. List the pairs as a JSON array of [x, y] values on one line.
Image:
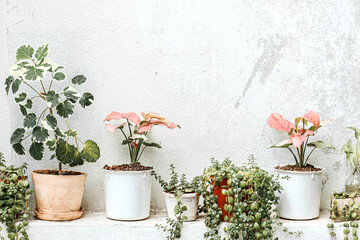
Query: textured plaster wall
[[217, 68]]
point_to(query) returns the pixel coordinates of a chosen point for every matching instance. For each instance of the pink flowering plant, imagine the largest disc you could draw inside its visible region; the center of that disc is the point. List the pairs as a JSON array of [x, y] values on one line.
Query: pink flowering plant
[[299, 134], [135, 136]]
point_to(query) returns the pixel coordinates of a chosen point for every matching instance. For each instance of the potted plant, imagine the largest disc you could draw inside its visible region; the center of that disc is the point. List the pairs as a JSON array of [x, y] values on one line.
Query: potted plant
[[181, 200], [128, 186], [345, 207], [250, 199], [58, 192], [352, 157], [14, 195], [301, 195]]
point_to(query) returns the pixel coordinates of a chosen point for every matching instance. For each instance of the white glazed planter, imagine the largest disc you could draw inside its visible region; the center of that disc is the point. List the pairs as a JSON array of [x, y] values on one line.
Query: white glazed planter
[[301, 194], [127, 194], [190, 200]]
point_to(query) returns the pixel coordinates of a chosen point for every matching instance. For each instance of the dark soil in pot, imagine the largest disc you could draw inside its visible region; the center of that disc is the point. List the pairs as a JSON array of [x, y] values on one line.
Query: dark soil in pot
[[128, 167], [308, 168], [56, 172]]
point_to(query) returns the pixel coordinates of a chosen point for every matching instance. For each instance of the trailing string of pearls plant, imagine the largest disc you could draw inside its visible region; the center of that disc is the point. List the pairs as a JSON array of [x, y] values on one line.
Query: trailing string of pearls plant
[[244, 197]]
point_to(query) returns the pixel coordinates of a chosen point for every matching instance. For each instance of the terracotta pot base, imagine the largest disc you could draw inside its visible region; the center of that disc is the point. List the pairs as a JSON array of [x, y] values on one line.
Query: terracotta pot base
[[59, 216]]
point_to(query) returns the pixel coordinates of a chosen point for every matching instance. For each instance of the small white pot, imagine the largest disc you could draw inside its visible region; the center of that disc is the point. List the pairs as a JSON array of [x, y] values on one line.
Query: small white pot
[[127, 194], [301, 194], [190, 200]]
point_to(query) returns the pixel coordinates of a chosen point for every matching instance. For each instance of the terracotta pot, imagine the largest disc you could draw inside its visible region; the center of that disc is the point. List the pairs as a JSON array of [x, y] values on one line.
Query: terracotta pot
[[58, 197], [221, 197]]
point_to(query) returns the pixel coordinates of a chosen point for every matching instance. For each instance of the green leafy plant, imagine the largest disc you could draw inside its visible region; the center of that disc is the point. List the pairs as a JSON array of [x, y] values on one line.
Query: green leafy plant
[[349, 214], [14, 194], [250, 200], [177, 186], [34, 71]]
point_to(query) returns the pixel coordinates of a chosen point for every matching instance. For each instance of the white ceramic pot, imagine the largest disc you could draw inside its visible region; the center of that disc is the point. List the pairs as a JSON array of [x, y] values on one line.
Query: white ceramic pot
[[190, 200], [127, 194], [301, 194]]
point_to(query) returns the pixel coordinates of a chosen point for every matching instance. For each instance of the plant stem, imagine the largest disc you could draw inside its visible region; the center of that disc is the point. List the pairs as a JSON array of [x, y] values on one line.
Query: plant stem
[[300, 160], [42, 84], [138, 159], [34, 89], [297, 163], [129, 127], [309, 155], [127, 143]]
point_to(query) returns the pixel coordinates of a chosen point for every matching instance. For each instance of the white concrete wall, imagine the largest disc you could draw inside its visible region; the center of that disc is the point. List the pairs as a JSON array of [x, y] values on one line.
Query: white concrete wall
[[217, 68]]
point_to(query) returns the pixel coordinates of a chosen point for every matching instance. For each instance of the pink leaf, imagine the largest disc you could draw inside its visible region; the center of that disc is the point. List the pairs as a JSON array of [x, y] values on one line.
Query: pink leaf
[[110, 128], [131, 116], [279, 123], [325, 122], [145, 127], [313, 117], [150, 115], [297, 139]]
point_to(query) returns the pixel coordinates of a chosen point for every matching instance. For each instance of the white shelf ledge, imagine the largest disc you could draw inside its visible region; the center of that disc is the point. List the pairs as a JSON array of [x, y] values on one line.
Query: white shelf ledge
[[94, 225]]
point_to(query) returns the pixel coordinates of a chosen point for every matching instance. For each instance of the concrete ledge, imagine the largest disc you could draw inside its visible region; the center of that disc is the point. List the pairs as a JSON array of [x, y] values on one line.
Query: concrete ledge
[[95, 226]]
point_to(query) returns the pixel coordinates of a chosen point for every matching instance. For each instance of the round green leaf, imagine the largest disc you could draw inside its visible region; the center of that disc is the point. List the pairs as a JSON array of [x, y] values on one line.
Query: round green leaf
[[36, 150], [65, 152], [79, 79], [51, 121], [23, 110], [78, 161], [29, 104], [71, 93], [51, 144], [15, 85], [90, 151], [65, 109], [24, 52], [42, 52], [19, 149], [40, 134], [33, 73], [21, 97], [17, 136], [30, 120], [86, 99], [52, 99], [9, 80], [59, 76]]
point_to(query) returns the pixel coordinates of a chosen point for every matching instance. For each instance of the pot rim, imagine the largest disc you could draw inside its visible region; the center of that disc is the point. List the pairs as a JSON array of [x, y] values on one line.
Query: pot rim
[[127, 172], [301, 172], [34, 172], [185, 195]]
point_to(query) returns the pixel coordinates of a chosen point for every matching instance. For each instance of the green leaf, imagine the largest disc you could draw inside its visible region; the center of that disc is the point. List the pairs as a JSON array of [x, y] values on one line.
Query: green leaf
[[58, 68], [30, 120], [86, 99], [152, 144], [59, 133], [65, 109], [9, 80], [17, 136], [124, 142], [59, 76], [51, 144], [42, 52], [52, 157], [78, 161], [52, 99], [16, 85], [40, 134], [19, 149], [321, 145], [23, 110], [350, 153], [79, 79], [184, 218], [51, 121], [72, 133], [282, 144], [28, 104], [65, 152], [357, 132], [21, 97], [24, 52], [90, 151], [36, 150], [33, 73], [71, 93]]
